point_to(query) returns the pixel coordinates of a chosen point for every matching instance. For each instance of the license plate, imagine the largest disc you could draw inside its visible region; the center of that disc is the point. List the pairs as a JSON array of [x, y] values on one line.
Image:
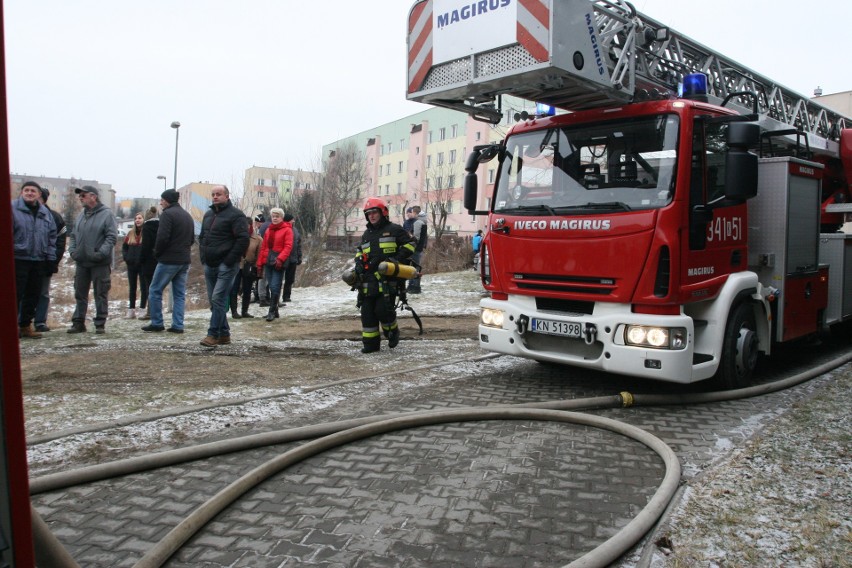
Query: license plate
[[552, 327]]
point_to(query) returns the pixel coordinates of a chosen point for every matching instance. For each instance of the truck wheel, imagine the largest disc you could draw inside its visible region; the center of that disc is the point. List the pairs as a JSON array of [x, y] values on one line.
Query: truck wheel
[[739, 349]]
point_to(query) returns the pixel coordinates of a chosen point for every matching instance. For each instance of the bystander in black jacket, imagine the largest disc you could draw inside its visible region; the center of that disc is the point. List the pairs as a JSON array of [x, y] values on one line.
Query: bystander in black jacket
[[224, 235], [175, 236]]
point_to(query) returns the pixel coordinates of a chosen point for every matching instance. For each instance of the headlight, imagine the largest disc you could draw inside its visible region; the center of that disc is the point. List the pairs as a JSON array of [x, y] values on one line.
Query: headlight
[[491, 317], [655, 337]]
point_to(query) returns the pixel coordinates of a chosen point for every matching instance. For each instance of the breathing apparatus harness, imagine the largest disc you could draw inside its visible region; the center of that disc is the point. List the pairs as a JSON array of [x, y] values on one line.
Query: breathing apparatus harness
[[357, 278]]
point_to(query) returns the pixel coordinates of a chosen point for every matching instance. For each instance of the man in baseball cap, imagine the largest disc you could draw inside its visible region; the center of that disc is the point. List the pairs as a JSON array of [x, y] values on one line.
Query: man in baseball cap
[[87, 189], [92, 244]]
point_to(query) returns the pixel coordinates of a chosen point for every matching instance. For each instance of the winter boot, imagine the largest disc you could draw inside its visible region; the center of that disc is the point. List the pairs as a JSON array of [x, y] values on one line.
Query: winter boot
[[28, 332], [77, 327], [246, 313], [276, 312], [147, 314], [234, 313], [131, 314], [270, 315]]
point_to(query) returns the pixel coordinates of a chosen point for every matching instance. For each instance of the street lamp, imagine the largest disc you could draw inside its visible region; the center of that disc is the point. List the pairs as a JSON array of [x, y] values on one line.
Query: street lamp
[[164, 181], [176, 126]]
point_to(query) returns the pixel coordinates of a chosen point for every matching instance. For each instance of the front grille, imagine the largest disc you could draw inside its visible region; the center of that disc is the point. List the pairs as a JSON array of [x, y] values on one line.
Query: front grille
[[559, 283]]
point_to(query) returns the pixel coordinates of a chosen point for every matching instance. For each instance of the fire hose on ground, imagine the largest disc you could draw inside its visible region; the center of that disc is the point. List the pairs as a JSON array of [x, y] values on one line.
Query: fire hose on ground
[[49, 552]]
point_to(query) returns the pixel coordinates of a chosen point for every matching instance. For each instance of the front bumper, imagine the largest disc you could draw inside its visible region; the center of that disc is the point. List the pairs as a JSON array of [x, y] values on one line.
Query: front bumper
[[601, 345]]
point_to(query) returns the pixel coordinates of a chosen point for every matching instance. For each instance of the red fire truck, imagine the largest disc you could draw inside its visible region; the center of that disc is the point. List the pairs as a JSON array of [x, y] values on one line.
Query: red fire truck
[[678, 221]]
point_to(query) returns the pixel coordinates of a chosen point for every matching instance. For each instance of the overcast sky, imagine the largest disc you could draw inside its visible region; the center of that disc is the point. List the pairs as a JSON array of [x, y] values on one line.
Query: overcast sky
[[93, 85]]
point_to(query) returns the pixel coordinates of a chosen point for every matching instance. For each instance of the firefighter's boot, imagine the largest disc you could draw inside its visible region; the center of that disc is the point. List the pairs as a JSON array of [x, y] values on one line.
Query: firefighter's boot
[[370, 346], [372, 338], [392, 333]]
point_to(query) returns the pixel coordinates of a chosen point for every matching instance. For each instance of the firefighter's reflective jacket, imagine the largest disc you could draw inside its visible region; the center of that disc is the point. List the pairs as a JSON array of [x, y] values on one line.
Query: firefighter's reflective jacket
[[385, 241]]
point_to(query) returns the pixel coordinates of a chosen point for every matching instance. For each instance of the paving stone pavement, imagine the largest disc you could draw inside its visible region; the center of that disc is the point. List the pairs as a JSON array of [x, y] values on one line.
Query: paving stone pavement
[[480, 494]]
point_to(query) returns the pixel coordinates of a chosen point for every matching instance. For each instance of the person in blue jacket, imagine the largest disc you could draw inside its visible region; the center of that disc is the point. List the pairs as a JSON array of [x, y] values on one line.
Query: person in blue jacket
[[35, 251]]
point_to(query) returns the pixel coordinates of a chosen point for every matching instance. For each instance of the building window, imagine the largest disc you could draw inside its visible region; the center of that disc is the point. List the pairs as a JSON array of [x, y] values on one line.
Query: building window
[[402, 144], [438, 181], [399, 169], [451, 181], [390, 147], [417, 150], [452, 156], [429, 161], [440, 158], [478, 136], [398, 188], [491, 175], [430, 137], [387, 169], [454, 131], [387, 189], [442, 134], [416, 173]]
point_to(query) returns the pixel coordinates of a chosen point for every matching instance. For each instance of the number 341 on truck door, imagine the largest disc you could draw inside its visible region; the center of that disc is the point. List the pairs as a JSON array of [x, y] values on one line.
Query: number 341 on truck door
[[723, 229]]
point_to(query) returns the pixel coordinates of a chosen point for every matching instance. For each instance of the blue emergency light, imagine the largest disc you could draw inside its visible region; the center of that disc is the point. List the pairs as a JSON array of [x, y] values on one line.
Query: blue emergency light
[[542, 109], [694, 86]]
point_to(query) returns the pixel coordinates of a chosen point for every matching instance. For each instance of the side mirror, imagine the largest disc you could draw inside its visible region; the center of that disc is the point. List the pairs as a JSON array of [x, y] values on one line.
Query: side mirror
[[479, 155], [740, 164], [470, 190]]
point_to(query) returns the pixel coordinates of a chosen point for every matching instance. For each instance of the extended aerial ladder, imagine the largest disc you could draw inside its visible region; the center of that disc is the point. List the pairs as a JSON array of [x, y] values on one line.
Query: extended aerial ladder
[[613, 55]]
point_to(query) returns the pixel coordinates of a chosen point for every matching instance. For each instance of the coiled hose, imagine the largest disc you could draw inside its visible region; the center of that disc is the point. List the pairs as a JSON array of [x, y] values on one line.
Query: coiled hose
[[338, 433]]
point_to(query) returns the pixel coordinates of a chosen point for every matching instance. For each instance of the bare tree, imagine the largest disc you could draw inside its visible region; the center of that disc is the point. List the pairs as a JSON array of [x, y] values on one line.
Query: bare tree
[[71, 206], [441, 181], [338, 185]]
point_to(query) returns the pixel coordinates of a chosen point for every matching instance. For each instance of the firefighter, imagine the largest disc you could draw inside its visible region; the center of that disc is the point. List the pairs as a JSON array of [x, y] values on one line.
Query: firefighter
[[382, 241]]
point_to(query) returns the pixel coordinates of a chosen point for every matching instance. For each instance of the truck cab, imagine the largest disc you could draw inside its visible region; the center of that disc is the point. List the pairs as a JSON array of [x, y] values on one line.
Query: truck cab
[[617, 240]]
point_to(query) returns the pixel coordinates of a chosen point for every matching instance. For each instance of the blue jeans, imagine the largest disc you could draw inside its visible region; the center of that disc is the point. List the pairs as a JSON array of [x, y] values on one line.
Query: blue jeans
[[219, 280], [273, 278], [176, 274], [415, 282]]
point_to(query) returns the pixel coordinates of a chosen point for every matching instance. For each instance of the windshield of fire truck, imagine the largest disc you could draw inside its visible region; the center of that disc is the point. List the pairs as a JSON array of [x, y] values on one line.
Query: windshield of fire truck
[[620, 165]]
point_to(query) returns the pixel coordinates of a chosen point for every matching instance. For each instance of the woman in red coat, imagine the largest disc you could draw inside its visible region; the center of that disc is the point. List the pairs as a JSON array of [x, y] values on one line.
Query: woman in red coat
[[272, 260]]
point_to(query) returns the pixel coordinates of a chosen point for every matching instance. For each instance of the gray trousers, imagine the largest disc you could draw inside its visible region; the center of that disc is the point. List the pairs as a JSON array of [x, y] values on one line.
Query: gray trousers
[[98, 278]]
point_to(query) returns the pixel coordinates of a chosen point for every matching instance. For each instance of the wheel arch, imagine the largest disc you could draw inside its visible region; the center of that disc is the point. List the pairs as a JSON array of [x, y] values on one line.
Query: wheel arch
[[714, 314]]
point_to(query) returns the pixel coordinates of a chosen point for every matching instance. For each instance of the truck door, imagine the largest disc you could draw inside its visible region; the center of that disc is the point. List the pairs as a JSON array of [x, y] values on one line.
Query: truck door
[[717, 228]]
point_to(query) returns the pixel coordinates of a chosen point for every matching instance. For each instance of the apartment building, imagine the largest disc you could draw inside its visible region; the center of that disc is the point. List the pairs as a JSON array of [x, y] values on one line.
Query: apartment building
[[419, 160], [265, 188]]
